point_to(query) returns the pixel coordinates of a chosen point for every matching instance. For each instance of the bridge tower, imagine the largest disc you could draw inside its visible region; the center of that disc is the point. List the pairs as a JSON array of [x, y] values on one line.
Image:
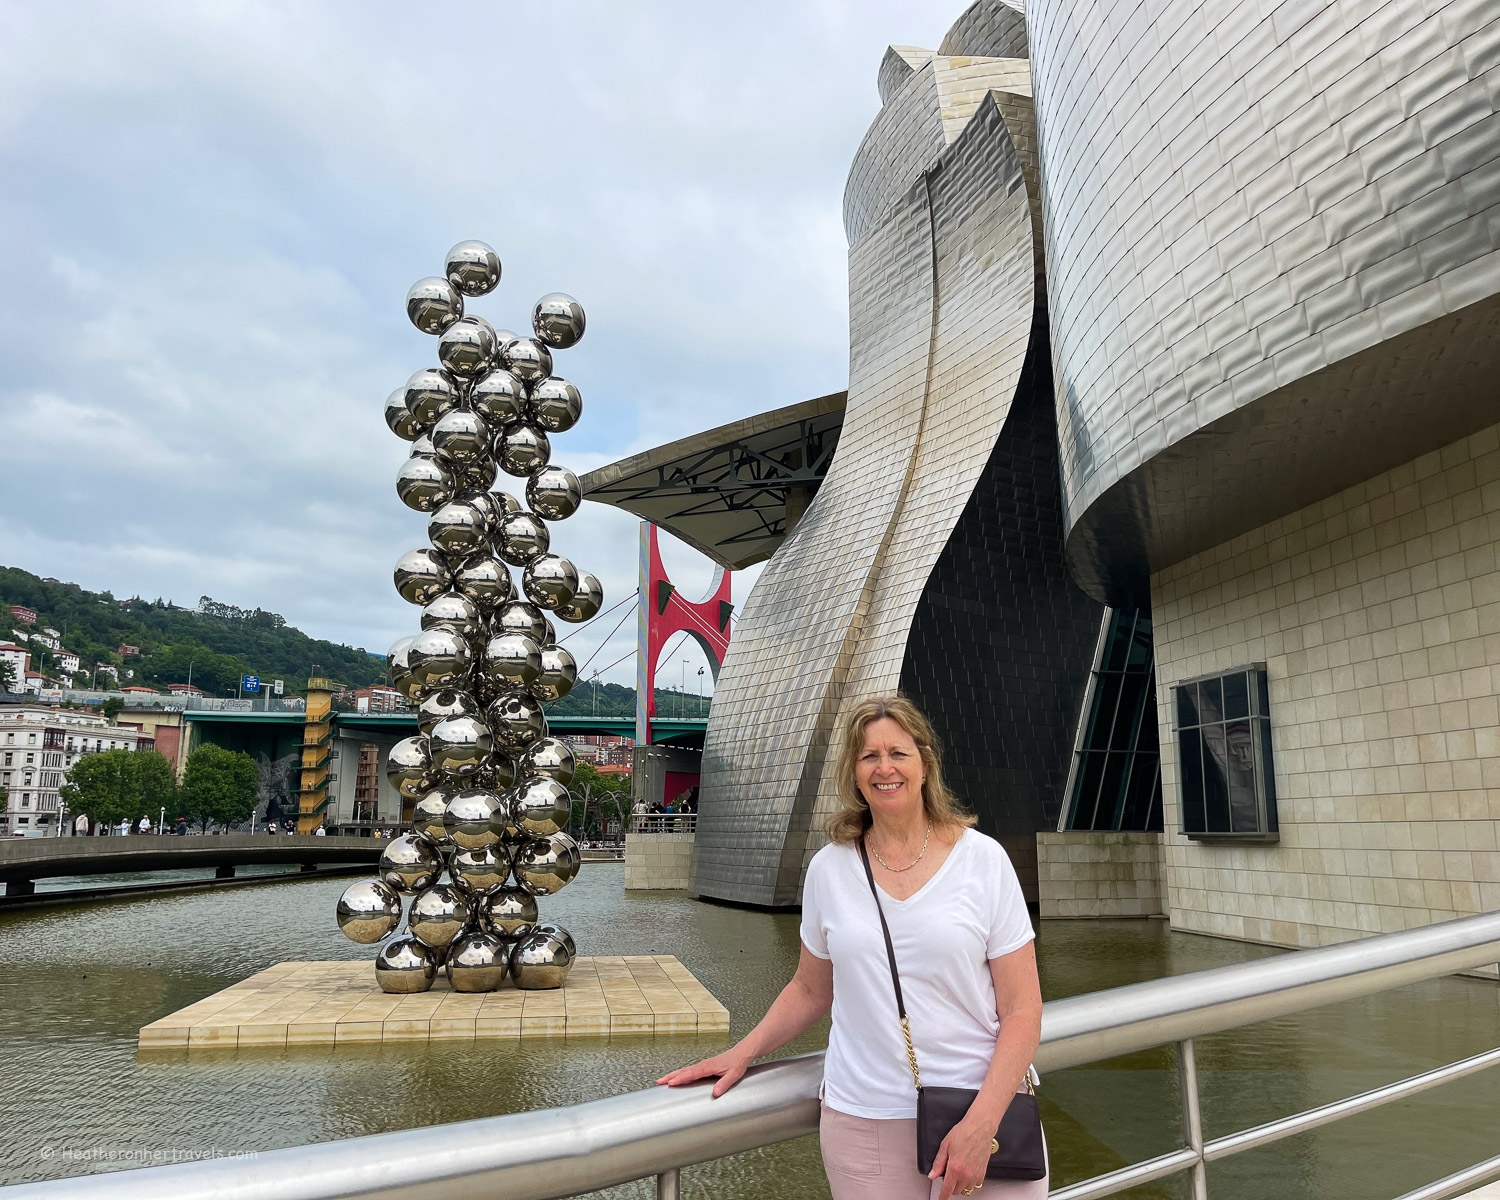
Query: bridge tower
[[662, 613], [317, 747]]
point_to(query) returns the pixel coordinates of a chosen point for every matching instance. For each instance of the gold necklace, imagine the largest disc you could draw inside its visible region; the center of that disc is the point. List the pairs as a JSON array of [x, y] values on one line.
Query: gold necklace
[[897, 870]]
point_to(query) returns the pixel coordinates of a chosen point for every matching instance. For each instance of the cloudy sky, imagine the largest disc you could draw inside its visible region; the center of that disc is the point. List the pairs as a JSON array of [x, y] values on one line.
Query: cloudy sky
[[212, 212]]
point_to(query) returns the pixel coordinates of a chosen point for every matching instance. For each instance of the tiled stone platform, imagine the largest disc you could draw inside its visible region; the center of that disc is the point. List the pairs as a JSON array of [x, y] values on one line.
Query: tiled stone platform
[[313, 1003]]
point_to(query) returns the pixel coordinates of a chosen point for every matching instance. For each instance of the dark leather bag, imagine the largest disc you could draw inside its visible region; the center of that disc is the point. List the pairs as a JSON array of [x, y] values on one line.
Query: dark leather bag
[[1017, 1151]]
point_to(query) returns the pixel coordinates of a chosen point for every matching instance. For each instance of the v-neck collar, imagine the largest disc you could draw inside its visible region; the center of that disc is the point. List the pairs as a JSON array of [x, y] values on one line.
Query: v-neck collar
[[936, 875]]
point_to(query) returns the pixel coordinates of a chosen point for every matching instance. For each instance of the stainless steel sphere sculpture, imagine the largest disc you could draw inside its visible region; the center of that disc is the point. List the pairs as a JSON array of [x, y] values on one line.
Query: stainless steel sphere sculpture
[[488, 787]]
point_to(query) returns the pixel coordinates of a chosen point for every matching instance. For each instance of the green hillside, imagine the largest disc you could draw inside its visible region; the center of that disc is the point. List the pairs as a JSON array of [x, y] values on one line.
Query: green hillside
[[616, 701], [217, 641]]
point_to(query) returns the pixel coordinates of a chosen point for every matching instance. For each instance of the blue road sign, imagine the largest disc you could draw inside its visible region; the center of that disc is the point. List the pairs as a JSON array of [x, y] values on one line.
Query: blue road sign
[[250, 683]]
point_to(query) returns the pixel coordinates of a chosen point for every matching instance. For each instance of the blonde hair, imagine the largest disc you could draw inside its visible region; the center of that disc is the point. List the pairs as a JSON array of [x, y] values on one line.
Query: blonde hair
[[851, 820]]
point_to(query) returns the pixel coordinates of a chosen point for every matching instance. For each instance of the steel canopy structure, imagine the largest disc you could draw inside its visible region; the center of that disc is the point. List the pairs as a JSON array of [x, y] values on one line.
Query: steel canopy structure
[[732, 493]]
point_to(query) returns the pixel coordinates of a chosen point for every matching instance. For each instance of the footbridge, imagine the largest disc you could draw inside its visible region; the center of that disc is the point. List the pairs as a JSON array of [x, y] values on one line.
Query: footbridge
[[25, 860]]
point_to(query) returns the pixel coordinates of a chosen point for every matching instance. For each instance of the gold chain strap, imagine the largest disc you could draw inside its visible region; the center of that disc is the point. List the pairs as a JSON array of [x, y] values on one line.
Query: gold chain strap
[[911, 1054]]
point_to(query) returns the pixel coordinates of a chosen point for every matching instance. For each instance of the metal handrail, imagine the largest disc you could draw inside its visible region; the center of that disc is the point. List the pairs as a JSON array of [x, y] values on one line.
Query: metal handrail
[[663, 822], [554, 1153]]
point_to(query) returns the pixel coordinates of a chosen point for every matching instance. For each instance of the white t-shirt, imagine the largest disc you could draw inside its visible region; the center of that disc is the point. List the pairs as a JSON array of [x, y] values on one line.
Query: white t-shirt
[[971, 911]]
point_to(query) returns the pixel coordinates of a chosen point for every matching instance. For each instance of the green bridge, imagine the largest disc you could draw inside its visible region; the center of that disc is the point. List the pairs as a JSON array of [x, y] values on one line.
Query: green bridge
[[276, 734]]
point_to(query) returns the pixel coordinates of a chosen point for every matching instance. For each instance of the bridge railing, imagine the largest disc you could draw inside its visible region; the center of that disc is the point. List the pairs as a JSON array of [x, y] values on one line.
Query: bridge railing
[[664, 823], [554, 1153]]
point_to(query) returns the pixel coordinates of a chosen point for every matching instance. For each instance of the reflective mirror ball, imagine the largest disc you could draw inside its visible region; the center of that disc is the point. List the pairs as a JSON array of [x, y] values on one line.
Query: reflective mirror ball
[[368, 911], [509, 912], [422, 576], [438, 915], [540, 960], [558, 675], [433, 304], [398, 417], [408, 766], [522, 449], [555, 405], [499, 397], [516, 720], [558, 320], [548, 758], [527, 359], [410, 863], [477, 962], [404, 965], [467, 347], [485, 580], [473, 268], [588, 599], [425, 482], [521, 538], [554, 493], [549, 581]]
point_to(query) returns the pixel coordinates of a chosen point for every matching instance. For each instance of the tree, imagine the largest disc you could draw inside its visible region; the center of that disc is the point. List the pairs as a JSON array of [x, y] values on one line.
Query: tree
[[598, 799], [111, 708], [120, 785], [220, 786], [7, 676]]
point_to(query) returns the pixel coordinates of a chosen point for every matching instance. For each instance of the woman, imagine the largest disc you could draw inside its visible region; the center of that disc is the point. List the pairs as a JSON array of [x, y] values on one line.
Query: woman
[[963, 945]]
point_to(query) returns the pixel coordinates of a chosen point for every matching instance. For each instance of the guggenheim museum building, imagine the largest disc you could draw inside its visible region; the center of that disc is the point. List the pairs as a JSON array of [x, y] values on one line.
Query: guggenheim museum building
[[1167, 479]]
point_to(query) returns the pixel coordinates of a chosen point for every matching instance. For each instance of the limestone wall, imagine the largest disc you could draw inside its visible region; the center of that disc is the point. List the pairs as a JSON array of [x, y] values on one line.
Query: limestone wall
[[1088, 874], [1377, 614], [658, 861]]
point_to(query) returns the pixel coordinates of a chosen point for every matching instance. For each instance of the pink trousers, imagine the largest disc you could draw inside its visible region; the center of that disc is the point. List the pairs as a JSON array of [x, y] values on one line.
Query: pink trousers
[[877, 1160]]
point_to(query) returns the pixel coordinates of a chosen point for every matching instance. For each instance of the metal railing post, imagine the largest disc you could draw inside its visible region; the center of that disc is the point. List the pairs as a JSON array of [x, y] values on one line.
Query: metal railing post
[[669, 1185], [1192, 1117]]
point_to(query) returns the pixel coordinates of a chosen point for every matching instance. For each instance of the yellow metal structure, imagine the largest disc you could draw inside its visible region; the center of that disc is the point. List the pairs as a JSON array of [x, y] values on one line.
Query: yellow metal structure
[[317, 740]]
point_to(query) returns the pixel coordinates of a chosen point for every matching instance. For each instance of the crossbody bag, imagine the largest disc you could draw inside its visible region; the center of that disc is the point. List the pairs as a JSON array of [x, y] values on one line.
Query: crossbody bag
[[1016, 1151]]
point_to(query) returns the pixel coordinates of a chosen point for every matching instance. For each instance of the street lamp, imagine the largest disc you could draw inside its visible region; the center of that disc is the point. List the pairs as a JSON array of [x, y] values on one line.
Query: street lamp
[[682, 701], [700, 690]]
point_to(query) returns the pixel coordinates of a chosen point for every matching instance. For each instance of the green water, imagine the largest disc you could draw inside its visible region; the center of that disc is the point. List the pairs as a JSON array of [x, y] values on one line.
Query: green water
[[80, 980]]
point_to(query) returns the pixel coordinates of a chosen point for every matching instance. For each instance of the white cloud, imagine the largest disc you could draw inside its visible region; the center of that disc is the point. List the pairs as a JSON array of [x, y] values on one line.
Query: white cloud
[[214, 211]]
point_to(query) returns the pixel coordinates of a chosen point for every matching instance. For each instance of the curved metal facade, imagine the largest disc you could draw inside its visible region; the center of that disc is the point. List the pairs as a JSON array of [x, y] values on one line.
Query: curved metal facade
[[1273, 247], [942, 212]]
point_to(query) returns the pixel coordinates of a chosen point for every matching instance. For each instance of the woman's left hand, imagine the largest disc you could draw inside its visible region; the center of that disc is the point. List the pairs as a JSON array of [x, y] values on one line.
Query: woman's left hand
[[962, 1158]]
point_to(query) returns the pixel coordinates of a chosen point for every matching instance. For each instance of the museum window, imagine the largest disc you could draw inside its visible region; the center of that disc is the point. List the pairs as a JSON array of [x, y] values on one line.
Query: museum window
[[1115, 783], [1223, 727]]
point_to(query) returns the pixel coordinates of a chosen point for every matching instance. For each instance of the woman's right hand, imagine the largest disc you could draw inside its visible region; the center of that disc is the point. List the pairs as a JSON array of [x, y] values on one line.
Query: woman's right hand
[[728, 1066]]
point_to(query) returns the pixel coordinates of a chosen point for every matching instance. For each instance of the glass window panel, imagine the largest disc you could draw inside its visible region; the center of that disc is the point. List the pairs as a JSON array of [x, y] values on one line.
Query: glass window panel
[[1192, 781], [1143, 803], [1101, 720], [1187, 705], [1086, 797], [1133, 692], [1267, 772], [1140, 646], [1244, 809], [1149, 739], [1112, 790], [1210, 700], [1236, 696], [1117, 643], [1215, 780]]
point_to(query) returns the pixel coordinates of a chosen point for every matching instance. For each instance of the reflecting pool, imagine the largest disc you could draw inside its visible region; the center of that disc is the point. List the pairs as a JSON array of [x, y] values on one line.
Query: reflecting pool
[[81, 980]]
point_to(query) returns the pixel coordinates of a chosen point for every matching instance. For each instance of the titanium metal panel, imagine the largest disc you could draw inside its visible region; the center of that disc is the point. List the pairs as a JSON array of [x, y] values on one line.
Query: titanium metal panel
[[943, 217], [1273, 257]]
